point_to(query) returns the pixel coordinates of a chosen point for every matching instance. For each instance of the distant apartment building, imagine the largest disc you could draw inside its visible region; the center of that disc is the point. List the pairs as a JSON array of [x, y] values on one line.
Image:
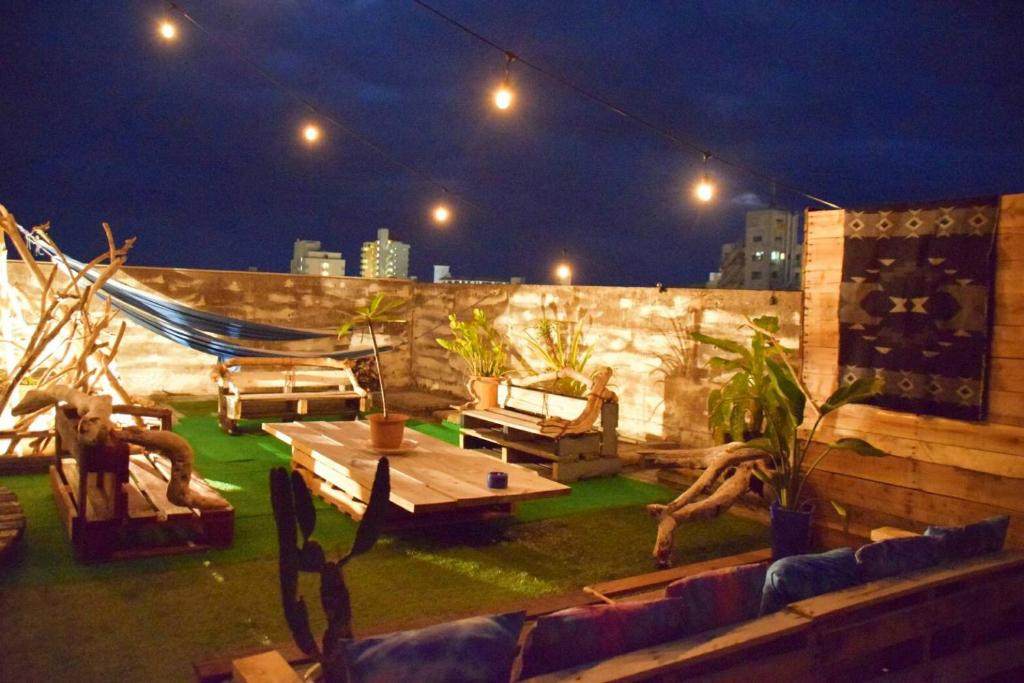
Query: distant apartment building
[[385, 257], [310, 259], [769, 256]]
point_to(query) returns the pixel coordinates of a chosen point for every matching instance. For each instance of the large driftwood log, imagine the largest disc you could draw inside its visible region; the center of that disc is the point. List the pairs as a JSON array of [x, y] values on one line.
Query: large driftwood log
[[738, 458], [96, 427]]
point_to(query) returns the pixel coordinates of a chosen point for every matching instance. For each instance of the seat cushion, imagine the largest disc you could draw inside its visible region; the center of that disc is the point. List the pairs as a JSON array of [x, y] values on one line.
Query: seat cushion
[[721, 596], [478, 650], [804, 576], [585, 634], [961, 542], [898, 555]]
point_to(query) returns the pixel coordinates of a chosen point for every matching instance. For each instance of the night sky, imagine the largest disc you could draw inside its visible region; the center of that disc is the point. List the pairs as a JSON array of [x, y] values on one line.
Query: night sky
[[184, 146]]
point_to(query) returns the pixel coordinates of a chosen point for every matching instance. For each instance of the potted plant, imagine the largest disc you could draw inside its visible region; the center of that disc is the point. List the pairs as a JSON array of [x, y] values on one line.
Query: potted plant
[[763, 404], [560, 345], [483, 349], [386, 428]]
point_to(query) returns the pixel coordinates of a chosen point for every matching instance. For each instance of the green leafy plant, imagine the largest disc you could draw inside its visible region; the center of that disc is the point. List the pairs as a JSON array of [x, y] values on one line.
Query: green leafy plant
[[763, 403], [477, 343], [381, 309], [294, 514], [560, 344]]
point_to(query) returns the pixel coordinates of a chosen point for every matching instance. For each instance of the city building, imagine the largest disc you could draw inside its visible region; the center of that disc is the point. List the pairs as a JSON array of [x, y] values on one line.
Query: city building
[[385, 257], [309, 259], [768, 257]]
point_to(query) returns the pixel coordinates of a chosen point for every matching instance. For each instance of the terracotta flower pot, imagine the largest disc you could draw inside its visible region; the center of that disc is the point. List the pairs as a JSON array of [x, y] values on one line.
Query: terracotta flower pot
[[485, 391], [387, 432]]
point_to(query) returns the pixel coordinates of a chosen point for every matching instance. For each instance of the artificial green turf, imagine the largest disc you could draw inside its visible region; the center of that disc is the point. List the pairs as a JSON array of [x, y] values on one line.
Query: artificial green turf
[[147, 619]]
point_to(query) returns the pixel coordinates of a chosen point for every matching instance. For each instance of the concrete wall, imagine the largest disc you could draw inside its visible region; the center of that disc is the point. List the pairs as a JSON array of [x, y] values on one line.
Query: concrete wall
[[640, 332]]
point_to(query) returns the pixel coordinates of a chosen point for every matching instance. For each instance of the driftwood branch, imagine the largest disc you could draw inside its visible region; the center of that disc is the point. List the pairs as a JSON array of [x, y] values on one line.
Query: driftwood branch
[[736, 461], [597, 395]]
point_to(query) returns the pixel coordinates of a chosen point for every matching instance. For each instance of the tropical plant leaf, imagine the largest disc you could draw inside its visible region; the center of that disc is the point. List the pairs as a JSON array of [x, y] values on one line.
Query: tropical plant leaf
[[305, 514], [372, 523], [855, 392], [337, 604], [725, 345], [840, 510], [767, 322], [311, 557], [788, 387], [860, 447]]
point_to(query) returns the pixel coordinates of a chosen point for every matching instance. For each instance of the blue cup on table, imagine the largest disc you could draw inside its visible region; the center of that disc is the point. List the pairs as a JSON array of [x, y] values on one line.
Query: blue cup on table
[[497, 480]]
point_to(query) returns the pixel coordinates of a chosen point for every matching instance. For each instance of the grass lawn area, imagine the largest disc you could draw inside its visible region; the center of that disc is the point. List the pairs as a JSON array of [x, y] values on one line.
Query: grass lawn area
[[146, 620]]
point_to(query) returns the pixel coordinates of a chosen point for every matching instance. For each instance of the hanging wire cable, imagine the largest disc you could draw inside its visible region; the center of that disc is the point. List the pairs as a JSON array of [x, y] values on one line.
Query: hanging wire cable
[[617, 109], [319, 113]]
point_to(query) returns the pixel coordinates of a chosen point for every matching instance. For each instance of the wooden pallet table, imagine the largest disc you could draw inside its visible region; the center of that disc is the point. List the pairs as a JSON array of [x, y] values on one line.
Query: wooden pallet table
[[12, 521], [434, 482]]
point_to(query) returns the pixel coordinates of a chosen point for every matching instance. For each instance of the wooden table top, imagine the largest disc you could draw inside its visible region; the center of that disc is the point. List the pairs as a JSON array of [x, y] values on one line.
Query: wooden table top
[[433, 476]]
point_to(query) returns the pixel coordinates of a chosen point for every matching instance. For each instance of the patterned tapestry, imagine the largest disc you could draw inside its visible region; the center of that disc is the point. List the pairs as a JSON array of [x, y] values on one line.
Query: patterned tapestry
[[914, 305]]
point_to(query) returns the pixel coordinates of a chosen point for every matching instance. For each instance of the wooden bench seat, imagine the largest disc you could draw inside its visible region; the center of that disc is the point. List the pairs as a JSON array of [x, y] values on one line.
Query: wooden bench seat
[[286, 389], [515, 429], [955, 622]]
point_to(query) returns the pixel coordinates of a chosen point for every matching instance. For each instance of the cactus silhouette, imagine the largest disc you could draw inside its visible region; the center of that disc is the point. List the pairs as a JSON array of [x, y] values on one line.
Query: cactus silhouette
[[294, 514]]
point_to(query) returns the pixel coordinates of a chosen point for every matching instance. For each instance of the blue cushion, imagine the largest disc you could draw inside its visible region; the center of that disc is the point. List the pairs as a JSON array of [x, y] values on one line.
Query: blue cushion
[[479, 649], [898, 555], [585, 634], [961, 542], [803, 576]]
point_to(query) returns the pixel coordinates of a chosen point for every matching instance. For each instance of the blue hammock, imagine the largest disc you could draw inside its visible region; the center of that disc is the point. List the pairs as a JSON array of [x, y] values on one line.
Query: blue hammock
[[194, 319], [223, 349]]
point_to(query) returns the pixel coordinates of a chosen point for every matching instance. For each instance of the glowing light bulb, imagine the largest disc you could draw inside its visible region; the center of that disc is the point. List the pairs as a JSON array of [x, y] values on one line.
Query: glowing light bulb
[[442, 214], [563, 272], [311, 132], [503, 97], [168, 31], [704, 190]]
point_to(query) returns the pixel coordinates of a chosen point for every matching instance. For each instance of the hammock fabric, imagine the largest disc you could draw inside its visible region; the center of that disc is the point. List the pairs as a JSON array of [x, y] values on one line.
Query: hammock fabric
[[223, 349], [194, 319]]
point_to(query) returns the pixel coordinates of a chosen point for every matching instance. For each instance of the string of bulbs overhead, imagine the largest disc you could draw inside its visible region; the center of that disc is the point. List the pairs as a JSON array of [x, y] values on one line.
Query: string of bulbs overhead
[[504, 96]]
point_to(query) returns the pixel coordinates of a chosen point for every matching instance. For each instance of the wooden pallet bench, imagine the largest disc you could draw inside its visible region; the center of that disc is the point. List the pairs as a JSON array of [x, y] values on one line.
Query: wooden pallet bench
[[106, 497], [514, 431], [286, 389], [12, 521]]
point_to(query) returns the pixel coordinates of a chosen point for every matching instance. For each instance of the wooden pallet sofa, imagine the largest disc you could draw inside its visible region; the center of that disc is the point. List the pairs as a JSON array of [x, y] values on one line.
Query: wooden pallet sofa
[[286, 389], [961, 619], [563, 437]]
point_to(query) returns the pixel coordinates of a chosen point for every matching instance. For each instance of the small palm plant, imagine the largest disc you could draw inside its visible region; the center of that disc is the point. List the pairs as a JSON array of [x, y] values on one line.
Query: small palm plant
[[381, 309], [560, 344]]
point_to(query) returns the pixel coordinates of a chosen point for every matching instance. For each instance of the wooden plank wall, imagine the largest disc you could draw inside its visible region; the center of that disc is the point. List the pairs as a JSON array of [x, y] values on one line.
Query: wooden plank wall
[[938, 471]]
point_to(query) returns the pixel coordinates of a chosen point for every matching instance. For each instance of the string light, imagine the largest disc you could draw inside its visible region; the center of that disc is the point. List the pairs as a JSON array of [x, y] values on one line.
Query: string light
[[504, 95], [311, 133], [705, 189], [563, 271], [442, 214], [622, 111], [168, 30]]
